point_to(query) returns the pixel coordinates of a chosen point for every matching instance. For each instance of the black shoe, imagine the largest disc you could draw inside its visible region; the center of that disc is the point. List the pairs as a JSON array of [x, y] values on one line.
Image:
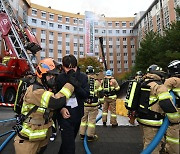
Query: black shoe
[[113, 126], [53, 137], [91, 139], [104, 124], [82, 137]]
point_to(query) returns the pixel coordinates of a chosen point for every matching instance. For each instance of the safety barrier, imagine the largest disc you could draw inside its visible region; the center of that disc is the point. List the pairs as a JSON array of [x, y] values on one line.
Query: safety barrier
[[85, 138], [8, 132], [7, 104], [159, 134]]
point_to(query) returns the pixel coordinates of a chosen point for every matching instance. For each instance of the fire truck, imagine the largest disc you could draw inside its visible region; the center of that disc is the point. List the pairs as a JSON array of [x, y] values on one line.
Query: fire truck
[[19, 48]]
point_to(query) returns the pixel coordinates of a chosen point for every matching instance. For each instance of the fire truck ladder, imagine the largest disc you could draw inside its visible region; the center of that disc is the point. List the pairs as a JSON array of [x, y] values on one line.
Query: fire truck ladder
[[13, 36]]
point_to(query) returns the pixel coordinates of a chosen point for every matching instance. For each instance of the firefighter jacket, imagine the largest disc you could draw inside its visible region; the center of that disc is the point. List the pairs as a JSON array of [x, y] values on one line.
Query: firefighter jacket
[[173, 83], [94, 88], [36, 126], [160, 104], [110, 86]]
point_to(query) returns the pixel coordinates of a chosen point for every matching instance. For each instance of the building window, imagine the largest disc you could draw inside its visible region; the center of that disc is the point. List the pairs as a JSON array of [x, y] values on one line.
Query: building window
[[110, 46], [59, 51], [110, 24], [124, 38], [67, 44], [67, 28], [131, 24], [124, 24], [117, 46], [50, 41], [60, 26], [51, 25], [125, 62], [110, 39], [119, 62], [50, 50], [125, 54], [51, 33], [131, 31], [43, 40], [81, 22], [96, 30], [110, 31], [81, 29], [67, 19], [59, 42], [117, 31], [75, 21], [117, 24], [67, 35], [75, 44], [59, 34], [59, 18], [43, 32], [67, 52], [124, 46], [132, 46], [124, 31], [81, 37], [34, 21], [34, 30], [34, 12], [43, 23], [59, 59], [118, 54], [111, 61], [81, 45], [51, 16], [43, 14], [118, 39], [75, 52], [75, 28]]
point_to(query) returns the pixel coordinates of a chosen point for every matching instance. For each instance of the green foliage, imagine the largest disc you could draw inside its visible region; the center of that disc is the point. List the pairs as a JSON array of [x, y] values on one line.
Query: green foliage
[[90, 61]]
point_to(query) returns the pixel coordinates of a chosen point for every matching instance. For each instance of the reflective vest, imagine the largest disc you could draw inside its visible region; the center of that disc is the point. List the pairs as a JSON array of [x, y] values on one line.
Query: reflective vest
[[36, 131]]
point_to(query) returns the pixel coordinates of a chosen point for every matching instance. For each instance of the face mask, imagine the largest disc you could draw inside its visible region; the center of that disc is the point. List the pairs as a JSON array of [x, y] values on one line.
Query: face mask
[[51, 82]]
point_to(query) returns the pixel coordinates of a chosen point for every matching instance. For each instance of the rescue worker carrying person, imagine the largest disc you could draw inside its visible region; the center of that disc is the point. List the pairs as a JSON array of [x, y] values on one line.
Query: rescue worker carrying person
[[173, 83], [110, 86], [38, 103], [152, 112], [91, 104]]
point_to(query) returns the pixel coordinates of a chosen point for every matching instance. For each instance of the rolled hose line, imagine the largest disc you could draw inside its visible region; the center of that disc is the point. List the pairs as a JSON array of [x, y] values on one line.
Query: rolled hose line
[[85, 138], [157, 138]]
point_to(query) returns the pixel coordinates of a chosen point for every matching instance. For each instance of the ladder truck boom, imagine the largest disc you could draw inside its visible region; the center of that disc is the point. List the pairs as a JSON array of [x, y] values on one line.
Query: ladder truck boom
[[20, 46]]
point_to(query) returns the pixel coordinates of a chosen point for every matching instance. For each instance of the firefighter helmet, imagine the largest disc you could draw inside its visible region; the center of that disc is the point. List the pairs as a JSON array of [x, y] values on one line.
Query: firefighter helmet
[[154, 68], [46, 66], [174, 67], [90, 70], [139, 73], [108, 73]]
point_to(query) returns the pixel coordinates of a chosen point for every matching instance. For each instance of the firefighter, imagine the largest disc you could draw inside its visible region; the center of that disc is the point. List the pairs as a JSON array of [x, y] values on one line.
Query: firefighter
[[91, 104], [110, 86], [132, 114], [38, 103], [150, 116], [173, 83]]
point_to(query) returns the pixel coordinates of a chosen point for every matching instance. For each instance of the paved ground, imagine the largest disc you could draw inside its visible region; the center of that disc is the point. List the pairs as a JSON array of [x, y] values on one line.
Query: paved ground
[[120, 140]]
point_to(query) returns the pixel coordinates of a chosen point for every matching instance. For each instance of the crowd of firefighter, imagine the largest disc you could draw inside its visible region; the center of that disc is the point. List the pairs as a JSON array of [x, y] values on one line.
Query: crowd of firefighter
[[62, 98]]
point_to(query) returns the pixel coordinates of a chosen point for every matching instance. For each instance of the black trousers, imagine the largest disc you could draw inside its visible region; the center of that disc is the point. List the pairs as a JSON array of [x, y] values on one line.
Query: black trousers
[[69, 129]]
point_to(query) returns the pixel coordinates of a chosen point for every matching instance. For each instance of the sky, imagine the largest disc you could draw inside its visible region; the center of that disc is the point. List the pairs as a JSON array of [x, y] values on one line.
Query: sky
[[110, 8]]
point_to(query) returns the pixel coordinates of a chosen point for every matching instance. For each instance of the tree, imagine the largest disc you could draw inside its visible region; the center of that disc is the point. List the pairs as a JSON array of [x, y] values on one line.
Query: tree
[[90, 61]]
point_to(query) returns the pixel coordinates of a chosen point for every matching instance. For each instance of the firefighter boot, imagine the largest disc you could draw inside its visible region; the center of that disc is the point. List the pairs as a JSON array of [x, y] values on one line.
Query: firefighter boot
[[114, 125], [92, 138], [104, 124]]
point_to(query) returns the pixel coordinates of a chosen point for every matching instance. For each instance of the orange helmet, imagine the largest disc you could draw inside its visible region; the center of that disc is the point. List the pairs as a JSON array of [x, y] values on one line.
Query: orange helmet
[[46, 66]]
